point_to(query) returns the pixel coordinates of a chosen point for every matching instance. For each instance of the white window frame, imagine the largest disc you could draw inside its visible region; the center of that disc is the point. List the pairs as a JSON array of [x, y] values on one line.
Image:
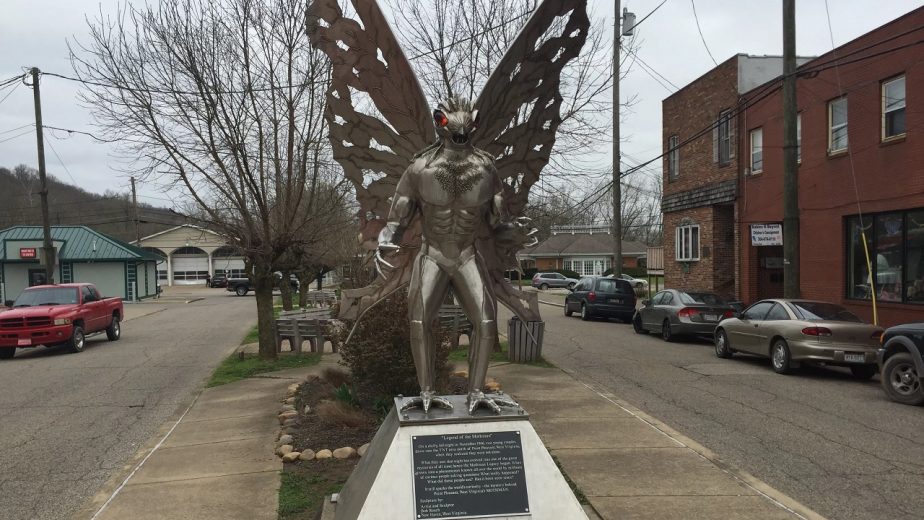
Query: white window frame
[[685, 249], [832, 128], [724, 138], [886, 110], [673, 157], [799, 138], [757, 150]]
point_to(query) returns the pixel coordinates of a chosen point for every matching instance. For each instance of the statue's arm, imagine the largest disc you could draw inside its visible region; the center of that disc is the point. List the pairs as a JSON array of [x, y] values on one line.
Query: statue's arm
[[403, 207]]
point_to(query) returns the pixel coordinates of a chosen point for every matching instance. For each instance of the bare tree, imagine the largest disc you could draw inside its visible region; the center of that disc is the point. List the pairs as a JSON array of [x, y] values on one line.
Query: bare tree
[[641, 208], [224, 99]]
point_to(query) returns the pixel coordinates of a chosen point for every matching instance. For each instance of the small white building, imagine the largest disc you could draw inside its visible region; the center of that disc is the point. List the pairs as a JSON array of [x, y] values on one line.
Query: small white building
[[83, 255], [189, 253]]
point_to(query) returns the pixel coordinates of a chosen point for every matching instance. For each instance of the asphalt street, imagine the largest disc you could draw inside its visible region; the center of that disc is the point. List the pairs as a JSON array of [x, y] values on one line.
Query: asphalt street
[[68, 422], [836, 444]]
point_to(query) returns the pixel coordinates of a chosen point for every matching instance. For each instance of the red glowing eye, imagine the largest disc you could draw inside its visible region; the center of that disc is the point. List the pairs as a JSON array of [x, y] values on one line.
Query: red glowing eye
[[440, 118]]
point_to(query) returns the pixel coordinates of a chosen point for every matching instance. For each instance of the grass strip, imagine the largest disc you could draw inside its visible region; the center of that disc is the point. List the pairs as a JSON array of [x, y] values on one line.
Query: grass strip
[[582, 498], [235, 367], [461, 354], [304, 488]]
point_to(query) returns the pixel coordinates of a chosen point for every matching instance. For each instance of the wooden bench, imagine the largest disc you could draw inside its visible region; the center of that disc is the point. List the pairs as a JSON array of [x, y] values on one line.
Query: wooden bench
[[316, 298], [305, 325], [453, 318]]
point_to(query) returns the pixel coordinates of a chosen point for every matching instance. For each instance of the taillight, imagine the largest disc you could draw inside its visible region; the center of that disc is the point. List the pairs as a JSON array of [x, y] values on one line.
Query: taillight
[[592, 296], [729, 314], [687, 312], [816, 331], [878, 335]]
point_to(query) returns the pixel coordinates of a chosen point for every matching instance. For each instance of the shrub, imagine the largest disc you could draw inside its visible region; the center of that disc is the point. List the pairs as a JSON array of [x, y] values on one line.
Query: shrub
[[336, 377], [341, 414], [379, 353], [346, 395]]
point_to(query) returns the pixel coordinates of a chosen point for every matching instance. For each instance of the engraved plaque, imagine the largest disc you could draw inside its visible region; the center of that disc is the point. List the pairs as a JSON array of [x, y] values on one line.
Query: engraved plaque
[[469, 475]]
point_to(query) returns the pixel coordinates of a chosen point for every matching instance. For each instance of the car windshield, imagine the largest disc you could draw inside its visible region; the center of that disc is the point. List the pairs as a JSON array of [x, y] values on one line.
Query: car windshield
[[47, 296], [814, 311], [693, 298], [605, 285]]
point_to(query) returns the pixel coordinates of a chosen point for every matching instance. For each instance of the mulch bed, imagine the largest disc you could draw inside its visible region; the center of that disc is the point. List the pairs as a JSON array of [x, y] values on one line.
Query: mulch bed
[[316, 432]]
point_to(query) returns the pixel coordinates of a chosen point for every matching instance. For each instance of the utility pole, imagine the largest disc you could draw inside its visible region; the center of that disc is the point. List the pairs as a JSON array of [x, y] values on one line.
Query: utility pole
[[623, 25], [790, 157], [135, 216], [48, 250]]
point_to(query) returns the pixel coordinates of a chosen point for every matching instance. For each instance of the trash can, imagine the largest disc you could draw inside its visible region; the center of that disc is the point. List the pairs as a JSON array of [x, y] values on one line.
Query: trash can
[[524, 340]]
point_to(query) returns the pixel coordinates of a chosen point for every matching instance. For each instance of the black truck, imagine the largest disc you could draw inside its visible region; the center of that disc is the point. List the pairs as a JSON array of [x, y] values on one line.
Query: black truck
[[241, 286], [901, 363]]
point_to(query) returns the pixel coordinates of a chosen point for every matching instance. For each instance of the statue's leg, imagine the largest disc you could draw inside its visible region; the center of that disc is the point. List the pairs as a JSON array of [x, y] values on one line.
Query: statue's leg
[[469, 285], [428, 288]]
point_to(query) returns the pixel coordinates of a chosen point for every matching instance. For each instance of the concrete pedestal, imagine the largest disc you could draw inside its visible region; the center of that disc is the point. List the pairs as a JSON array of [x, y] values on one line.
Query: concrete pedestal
[[382, 486]]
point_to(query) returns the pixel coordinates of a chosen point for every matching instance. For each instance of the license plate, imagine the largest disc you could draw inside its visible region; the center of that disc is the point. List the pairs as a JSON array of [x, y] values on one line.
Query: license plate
[[855, 358], [615, 300], [24, 342], [711, 317]]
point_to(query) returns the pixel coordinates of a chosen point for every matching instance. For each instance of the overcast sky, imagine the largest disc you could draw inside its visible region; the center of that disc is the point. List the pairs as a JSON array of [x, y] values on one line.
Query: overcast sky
[[35, 33]]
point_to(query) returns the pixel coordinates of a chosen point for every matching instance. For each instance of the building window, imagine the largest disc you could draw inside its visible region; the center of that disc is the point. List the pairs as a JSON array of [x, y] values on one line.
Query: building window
[[799, 137], [896, 255], [757, 150], [687, 243], [723, 139], [893, 108], [673, 157], [162, 274], [837, 125]]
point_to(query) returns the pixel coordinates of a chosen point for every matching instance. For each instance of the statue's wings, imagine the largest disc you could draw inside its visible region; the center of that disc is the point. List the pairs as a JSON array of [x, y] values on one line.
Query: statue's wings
[[378, 118], [519, 113], [519, 108]]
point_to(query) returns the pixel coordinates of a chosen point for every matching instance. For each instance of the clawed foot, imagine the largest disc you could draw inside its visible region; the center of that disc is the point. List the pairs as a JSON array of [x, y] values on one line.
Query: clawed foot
[[426, 400], [476, 399]]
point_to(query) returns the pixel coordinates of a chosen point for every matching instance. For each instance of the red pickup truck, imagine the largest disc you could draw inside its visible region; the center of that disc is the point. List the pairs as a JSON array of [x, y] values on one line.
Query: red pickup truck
[[54, 315]]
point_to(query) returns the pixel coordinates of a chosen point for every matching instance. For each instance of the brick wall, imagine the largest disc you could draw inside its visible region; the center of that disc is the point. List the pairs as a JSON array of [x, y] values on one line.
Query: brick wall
[[696, 275], [889, 176]]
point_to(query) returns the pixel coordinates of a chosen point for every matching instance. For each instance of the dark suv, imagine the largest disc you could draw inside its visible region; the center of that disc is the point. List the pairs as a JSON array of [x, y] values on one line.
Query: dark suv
[[598, 296], [545, 280], [901, 363]]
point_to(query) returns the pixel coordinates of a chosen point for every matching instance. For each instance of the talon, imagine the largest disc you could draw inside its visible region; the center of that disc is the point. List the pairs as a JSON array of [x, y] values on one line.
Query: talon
[[533, 232]]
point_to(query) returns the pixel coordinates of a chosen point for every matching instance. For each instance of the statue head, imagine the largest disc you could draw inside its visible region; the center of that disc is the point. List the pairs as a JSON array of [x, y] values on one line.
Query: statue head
[[455, 122]]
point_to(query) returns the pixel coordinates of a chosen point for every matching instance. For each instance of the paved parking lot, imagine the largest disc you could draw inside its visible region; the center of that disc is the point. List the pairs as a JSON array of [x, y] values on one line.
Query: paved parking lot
[[835, 444], [68, 422]]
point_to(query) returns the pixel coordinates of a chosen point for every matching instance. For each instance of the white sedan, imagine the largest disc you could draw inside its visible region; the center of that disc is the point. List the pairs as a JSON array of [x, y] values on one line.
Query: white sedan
[[638, 283]]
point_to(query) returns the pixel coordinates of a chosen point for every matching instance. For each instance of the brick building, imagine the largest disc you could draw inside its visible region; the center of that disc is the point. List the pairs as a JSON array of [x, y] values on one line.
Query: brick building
[[861, 161], [586, 250], [701, 168]]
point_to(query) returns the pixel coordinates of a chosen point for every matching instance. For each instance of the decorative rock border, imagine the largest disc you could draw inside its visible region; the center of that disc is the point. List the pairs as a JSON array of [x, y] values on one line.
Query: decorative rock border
[[285, 448]]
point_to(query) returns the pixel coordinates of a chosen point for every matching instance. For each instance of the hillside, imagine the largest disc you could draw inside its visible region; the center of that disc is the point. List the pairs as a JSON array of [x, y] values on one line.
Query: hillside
[[109, 213]]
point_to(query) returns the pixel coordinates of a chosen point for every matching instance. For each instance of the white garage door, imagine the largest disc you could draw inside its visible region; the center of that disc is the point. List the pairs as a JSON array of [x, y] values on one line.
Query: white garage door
[[190, 269], [233, 267]]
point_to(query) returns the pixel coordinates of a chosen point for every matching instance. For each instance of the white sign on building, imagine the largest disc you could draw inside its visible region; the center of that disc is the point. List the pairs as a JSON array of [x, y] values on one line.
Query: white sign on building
[[766, 234]]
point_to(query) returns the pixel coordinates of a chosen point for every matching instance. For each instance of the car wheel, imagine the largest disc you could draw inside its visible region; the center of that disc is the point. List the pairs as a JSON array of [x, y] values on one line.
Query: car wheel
[[114, 332], [780, 357], [585, 315], [7, 353], [240, 290], [722, 348], [78, 340], [901, 381], [544, 287], [568, 311], [666, 333], [637, 325], [863, 371]]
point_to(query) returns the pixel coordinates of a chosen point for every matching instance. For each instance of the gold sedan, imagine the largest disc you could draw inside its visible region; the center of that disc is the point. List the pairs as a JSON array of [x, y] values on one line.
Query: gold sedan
[[790, 332]]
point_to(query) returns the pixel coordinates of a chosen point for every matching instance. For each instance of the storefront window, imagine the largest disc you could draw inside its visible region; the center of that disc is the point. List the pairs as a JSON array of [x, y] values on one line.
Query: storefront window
[[896, 254], [914, 257], [889, 257]]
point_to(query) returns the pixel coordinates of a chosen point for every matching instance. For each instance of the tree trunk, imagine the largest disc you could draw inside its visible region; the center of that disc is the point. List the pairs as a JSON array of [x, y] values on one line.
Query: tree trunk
[[266, 322], [320, 277], [285, 287], [304, 283]]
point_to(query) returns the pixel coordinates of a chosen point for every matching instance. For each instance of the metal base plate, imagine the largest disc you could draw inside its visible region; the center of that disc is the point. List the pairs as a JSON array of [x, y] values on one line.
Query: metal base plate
[[459, 412]]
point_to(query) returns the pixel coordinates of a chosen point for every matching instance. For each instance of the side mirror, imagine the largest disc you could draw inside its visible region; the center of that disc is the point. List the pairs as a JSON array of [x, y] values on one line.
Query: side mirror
[[646, 302]]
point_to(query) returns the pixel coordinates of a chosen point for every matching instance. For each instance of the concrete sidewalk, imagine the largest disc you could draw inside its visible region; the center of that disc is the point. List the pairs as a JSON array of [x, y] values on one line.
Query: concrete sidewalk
[[631, 466], [215, 462]]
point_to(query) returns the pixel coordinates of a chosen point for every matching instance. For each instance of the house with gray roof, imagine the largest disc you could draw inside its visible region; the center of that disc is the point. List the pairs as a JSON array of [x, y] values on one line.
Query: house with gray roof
[[83, 255], [587, 250]]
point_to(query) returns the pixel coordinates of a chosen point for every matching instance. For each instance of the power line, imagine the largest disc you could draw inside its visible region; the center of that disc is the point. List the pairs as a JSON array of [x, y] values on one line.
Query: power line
[[472, 37], [17, 128], [10, 93], [16, 136], [650, 13], [61, 162], [698, 28], [655, 75]]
